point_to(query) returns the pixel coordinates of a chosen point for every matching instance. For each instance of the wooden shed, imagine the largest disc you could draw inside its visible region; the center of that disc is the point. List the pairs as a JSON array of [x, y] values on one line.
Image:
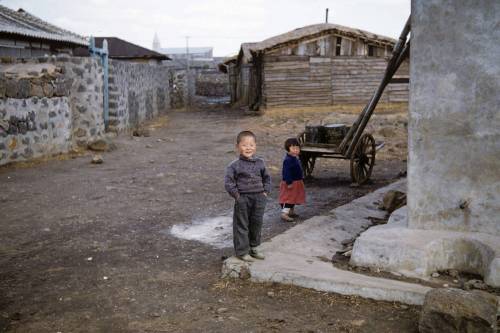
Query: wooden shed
[[321, 64]]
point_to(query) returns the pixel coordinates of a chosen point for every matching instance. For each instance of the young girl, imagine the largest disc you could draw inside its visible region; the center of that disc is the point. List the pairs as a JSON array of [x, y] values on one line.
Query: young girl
[[292, 190]]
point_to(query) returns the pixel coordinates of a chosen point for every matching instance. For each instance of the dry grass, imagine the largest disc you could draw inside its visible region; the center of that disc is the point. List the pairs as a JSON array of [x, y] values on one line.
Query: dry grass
[[156, 123], [382, 108]]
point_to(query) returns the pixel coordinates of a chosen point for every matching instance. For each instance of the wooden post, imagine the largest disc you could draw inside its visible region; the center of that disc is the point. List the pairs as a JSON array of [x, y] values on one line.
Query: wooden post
[[103, 53]]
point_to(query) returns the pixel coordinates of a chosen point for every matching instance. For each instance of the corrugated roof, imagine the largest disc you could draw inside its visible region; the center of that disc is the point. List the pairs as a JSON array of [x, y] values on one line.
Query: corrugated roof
[[119, 48], [322, 28], [24, 24]]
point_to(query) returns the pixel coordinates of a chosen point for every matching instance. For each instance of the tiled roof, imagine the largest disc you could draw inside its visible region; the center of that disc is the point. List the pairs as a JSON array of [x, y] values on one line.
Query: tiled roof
[[22, 23], [119, 48]]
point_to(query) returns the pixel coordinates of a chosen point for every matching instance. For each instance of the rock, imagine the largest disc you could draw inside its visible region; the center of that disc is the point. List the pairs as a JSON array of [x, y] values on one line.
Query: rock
[[222, 310], [402, 173], [97, 159], [393, 200], [80, 132], [348, 241], [453, 273], [141, 131], [435, 274], [475, 284], [270, 293], [4, 124], [348, 254], [102, 145], [455, 310]]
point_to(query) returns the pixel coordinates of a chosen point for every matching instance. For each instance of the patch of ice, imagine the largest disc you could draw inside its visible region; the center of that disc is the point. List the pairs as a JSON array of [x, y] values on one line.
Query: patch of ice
[[215, 231]]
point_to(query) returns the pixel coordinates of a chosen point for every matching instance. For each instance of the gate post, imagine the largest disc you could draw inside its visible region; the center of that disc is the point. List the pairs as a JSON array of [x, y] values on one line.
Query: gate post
[[103, 54]]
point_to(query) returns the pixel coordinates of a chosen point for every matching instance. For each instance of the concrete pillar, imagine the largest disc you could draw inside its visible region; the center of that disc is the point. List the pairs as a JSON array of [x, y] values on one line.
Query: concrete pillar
[[453, 219], [454, 126]]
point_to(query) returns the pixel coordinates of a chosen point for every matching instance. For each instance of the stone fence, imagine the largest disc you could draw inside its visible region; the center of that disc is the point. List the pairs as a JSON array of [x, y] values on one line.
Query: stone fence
[[138, 92], [53, 105], [212, 83], [49, 106]]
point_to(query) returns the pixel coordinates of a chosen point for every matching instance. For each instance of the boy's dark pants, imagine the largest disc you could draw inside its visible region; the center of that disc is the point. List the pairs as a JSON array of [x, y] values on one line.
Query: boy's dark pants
[[247, 221]]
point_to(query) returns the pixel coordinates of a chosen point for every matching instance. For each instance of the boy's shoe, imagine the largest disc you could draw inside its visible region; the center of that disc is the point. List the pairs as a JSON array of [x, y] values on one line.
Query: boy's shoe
[[246, 257], [285, 217], [256, 254], [293, 214]]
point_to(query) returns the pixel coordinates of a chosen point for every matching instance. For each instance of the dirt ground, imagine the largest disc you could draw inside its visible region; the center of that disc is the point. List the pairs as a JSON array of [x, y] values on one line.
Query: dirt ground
[[88, 248]]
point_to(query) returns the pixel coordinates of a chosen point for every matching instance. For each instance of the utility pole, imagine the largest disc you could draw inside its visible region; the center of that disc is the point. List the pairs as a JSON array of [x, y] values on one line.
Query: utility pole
[[188, 98], [326, 17]]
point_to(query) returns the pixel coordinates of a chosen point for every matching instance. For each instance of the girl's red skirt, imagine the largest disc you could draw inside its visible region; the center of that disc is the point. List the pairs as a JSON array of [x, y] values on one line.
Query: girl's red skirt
[[294, 195]]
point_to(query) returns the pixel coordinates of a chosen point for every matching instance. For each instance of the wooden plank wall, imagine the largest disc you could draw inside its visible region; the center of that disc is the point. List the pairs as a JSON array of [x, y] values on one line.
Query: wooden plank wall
[[297, 81], [399, 92], [309, 81], [355, 79]]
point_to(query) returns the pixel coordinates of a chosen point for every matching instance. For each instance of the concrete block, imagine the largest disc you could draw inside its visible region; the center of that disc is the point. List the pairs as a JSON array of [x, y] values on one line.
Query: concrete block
[[418, 253], [301, 255]]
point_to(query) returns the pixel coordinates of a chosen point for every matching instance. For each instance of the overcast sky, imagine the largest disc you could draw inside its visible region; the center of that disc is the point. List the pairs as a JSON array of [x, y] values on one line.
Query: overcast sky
[[223, 24]]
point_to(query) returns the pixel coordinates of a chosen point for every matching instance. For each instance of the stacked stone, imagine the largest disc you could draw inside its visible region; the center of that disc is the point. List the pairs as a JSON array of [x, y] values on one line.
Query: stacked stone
[[212, 84], [137, 92], [48, 106]]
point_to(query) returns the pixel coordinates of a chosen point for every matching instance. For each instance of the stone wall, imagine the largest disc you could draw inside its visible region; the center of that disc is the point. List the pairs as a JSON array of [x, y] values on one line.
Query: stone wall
[[182, 89], [138, 92], [48, 106], [454, 126], [35, 127], [212, 83]]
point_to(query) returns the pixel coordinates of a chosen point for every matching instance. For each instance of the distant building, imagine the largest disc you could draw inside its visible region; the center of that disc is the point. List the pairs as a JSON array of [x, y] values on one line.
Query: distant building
[[120, 49], [195, 53], [156, 43], [23, 35], [181, 53]]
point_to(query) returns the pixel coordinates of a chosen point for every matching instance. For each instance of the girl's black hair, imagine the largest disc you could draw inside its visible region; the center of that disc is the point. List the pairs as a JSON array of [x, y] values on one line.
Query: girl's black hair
[[291, 142]]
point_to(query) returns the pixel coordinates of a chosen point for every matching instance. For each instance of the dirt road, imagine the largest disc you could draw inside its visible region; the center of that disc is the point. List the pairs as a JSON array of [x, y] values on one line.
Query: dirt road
[[89, 248]]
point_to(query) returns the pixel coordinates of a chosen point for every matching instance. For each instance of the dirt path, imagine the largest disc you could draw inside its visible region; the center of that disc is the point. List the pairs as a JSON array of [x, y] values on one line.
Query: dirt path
[[89, 248]]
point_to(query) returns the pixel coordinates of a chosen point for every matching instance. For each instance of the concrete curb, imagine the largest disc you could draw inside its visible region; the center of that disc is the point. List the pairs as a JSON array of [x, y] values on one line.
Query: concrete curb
[[299, 256]]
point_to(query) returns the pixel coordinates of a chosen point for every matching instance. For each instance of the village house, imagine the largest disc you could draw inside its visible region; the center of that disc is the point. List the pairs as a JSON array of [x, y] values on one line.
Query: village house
[[321, 64], [23, 35], [120, 49]]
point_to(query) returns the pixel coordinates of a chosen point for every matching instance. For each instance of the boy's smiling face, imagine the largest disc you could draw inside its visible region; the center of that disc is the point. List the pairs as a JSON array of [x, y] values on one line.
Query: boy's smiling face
[[247, 146]]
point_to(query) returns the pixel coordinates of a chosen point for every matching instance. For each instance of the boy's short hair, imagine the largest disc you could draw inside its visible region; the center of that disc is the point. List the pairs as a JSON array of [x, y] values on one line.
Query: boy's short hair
[[291, 142], [243, 134]]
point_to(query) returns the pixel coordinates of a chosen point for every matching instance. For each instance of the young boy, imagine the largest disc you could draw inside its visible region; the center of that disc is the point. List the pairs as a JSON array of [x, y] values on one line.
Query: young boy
[[249, 183]]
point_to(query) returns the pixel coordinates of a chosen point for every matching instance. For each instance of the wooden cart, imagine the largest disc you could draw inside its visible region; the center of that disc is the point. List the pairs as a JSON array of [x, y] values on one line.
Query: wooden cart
[[362, 159], [356, 146]]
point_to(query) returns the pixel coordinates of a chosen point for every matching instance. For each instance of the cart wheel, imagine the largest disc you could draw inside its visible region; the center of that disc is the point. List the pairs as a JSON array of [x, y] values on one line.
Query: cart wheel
[[301, 138], [307, 162], [363, 159]]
